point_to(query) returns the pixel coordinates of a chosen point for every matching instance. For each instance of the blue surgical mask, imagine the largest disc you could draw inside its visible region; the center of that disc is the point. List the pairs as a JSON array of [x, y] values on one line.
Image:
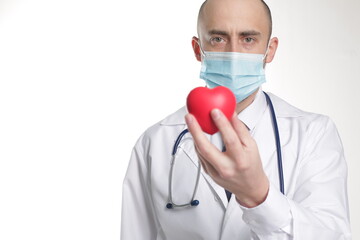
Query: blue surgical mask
[[242, 73]]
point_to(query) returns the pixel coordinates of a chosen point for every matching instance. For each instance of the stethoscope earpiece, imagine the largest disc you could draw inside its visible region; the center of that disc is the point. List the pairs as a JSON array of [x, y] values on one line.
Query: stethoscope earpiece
[[194, 203]]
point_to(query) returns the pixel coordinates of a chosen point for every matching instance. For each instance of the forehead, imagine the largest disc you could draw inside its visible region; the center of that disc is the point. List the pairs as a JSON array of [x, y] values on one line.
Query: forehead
[[234, 16]]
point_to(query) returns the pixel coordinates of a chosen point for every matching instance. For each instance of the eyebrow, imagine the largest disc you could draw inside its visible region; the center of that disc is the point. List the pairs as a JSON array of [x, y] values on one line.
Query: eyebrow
[[242, 34], [218, 32], [249, 33]]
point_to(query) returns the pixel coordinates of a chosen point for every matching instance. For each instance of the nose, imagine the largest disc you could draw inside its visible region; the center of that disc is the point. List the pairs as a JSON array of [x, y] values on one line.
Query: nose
[[233, 46]]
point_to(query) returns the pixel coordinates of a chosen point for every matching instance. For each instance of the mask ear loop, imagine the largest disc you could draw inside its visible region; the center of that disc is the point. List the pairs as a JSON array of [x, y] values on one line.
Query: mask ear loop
[[203, 55], [267, 50], [202, 52], [266, 53]]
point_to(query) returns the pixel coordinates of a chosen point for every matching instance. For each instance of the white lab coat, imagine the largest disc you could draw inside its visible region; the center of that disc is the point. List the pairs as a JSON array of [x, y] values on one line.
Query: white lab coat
[[315, 205]]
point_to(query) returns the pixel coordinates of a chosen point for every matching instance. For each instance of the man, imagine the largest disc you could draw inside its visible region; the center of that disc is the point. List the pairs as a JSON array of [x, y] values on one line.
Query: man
[[238, 194]]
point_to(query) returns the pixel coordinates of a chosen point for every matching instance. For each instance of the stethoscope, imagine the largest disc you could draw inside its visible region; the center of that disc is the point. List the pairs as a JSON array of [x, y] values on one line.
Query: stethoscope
[[195, 202]]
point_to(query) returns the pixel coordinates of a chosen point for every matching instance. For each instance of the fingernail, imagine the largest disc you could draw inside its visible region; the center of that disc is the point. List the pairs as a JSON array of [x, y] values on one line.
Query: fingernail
[[216, 114]]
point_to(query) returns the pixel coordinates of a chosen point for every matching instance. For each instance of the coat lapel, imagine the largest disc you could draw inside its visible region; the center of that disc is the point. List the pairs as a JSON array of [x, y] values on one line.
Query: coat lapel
[[189, 150]]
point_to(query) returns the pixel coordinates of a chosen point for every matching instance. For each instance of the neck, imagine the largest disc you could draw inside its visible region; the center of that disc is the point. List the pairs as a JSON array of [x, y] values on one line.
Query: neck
[[246, 102]]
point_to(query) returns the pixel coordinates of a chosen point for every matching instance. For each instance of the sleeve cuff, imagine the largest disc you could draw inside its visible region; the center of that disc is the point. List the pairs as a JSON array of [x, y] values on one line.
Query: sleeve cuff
[[271, 215]]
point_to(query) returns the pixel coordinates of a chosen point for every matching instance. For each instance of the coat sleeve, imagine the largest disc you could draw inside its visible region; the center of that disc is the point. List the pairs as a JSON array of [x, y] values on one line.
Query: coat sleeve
[[318, 209], [137, 216]]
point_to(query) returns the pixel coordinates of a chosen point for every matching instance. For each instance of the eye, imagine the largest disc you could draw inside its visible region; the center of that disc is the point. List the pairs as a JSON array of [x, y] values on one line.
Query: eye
[[217, 40], [248, 40]]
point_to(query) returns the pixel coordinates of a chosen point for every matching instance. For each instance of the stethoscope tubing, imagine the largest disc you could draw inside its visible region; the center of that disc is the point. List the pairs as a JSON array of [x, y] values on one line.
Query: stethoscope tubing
[[193, 202], [278, 145]]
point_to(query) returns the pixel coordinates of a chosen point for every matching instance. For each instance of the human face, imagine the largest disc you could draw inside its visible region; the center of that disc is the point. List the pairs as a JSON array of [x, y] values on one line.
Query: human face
[[234, 26]]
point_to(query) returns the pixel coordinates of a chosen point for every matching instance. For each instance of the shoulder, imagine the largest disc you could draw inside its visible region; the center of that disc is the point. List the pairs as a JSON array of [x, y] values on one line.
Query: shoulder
[[308, 123], [169, 127], [285, 110]]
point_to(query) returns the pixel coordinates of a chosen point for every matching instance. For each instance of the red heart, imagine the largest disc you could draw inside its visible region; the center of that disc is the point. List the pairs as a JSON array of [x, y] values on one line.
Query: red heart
[[202, 100]]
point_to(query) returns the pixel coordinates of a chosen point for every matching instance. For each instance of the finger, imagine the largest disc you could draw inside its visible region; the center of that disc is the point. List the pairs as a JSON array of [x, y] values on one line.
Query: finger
[[208, 168], [229, 136], [205, 148], [201, 160], [241, 130]]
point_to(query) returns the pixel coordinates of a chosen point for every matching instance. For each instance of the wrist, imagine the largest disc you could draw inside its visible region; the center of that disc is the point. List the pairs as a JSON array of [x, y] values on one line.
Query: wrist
[[254, 198]]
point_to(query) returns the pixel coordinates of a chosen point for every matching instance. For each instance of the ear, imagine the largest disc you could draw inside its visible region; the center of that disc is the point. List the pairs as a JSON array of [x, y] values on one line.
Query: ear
[[272, 49], [196, 48]]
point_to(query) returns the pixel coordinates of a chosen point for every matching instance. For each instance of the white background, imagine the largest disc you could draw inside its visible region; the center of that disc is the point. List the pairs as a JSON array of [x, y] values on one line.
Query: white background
[[81, 80]]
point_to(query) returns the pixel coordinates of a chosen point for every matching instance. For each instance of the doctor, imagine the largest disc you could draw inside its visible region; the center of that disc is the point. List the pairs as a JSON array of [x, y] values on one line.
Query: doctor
[[238, 191]]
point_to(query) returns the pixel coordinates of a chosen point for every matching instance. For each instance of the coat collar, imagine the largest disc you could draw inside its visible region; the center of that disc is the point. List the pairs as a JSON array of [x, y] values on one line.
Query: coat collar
[[250, 115], [177, 118]]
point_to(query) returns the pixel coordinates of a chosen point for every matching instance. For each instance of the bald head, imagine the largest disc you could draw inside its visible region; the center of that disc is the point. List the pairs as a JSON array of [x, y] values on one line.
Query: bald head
[[211, 4]]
